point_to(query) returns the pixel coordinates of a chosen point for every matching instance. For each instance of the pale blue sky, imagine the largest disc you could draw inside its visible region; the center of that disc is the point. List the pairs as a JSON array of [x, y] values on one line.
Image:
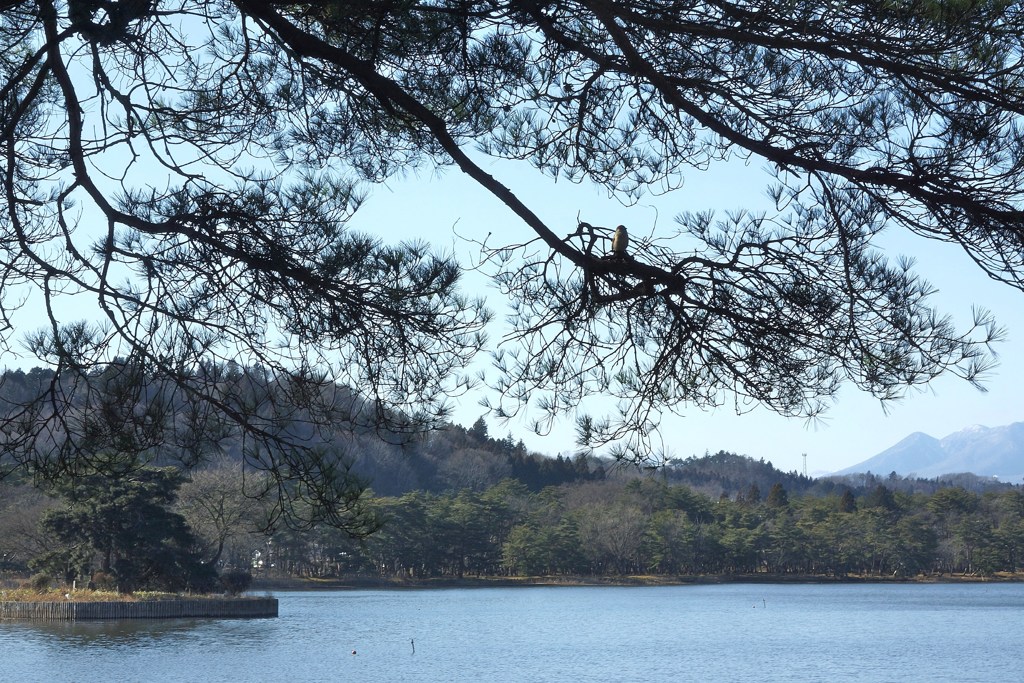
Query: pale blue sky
[[856, 428]]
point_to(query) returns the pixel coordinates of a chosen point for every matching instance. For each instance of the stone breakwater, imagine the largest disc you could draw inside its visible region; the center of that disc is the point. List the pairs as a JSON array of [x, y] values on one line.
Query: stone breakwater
[[213, 608]]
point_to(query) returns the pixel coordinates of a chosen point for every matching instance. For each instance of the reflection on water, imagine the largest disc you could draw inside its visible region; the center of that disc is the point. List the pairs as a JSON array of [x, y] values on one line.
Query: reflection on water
[[102, 634], [684, 633]]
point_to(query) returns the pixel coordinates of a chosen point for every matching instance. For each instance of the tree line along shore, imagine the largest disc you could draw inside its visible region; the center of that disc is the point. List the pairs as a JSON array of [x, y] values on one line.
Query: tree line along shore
[[627, 528]]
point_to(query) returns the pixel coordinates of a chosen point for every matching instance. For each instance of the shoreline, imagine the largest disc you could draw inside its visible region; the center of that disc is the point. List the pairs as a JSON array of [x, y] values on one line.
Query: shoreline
[[265, 584]]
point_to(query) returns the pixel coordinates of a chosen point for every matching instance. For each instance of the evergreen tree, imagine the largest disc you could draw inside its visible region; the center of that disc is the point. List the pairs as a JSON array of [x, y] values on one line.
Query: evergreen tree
[[123, 528], [777, 497], [269, 120], [479, 430], [847, 503]]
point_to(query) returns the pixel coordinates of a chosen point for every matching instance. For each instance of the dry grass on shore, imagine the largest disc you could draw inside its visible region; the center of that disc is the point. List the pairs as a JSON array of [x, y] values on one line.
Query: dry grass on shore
[[82, 595]]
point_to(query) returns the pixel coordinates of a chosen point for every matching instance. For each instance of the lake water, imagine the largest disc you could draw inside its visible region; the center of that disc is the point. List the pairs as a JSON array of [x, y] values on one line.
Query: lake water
[[730, 632]]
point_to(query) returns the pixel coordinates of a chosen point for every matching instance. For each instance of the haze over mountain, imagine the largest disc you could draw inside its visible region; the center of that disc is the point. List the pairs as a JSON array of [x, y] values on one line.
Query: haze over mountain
[[985, 451]]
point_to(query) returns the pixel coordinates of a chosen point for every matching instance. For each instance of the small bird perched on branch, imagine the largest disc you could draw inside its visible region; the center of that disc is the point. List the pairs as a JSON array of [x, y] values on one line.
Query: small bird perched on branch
[[620, 241]]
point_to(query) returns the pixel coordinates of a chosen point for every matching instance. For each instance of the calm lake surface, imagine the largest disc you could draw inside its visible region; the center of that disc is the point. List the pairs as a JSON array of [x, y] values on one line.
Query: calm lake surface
[[730, 632]]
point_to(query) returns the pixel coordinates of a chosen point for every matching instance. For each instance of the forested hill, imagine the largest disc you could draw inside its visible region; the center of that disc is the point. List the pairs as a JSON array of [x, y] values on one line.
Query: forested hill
[[455, 458], [456, 501], [733, 475]]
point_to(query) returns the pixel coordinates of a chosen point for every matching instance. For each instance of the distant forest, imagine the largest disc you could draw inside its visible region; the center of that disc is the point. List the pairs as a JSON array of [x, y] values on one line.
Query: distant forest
[[457, 502]]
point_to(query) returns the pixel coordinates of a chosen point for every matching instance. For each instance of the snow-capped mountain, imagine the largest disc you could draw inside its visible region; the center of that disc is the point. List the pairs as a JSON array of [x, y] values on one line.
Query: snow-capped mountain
[[985, 451]]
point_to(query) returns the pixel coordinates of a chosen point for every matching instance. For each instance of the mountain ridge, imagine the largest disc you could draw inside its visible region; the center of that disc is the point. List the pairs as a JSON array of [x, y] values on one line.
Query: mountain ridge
[[978, 449]]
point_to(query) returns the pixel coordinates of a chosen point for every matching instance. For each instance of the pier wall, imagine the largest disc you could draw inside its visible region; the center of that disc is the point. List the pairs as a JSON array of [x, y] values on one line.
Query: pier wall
[[240, 608]]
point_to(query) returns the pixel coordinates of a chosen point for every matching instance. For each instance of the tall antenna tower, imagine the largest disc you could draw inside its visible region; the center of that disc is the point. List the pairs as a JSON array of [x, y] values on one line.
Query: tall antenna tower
[[805, 465]]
